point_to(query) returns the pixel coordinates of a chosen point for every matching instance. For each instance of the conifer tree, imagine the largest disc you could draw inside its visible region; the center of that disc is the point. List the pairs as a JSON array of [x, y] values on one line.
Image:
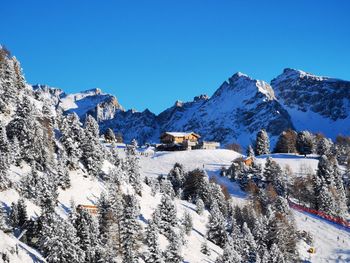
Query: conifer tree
[[154, 254], [177, 177], [187, 223], [167, 213], [14, 222], [58, 240], [305, 142], [130, 230], [230, 255], [262, 144], [71, 138], [22, 212], [200, 206], [5, 158], [88, 234], [173, 250], [276, 256], [216, 228], [91, 149], [275, 176], [132, 167], [286, 142], [167, 188]]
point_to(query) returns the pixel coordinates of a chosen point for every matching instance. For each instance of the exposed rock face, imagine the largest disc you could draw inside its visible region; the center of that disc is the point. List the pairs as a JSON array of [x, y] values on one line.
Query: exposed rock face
[[319, 104]]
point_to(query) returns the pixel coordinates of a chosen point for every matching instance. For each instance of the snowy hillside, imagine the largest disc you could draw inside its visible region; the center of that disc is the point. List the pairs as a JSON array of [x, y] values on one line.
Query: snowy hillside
[[86, 191]]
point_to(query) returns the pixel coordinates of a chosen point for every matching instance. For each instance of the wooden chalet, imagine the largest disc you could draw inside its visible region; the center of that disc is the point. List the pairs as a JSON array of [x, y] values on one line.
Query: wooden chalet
[[178, 137], [175, 141]]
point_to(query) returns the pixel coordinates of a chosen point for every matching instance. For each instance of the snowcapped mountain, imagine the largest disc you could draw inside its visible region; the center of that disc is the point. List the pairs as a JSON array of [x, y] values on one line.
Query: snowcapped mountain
[[94, 102], [236, 111], [240, 107], [318, 104]]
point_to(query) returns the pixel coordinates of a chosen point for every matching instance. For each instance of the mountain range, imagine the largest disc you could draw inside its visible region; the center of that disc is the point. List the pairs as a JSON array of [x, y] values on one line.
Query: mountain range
[[239, 108]]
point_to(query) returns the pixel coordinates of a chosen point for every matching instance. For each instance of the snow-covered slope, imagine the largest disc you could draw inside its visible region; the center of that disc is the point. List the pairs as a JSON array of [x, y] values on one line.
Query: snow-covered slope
[[332, 242], [318, 104]]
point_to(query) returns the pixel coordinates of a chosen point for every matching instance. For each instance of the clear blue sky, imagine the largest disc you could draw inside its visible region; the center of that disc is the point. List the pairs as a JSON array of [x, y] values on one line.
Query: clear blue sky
[[151, 53]]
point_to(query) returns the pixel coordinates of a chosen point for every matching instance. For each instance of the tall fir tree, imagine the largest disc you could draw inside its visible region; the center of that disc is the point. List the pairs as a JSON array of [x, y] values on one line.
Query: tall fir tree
[[216, 227], [130, 230], [132, 167], [173, 252], [154, 254], [262, 144], [91, 148], [177, 177], [167, 212]]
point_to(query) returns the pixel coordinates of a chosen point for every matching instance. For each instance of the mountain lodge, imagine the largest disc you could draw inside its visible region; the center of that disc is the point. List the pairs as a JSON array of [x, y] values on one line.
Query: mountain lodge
[[178, 137]]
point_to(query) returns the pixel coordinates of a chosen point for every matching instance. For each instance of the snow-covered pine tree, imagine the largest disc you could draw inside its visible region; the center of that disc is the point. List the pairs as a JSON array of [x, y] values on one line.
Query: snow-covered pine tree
[[325, 170], [23, 126], [5, 157], [71, 138], [197, 185], [167, 213], [7, 75], [305, 142], [324, 146], [2, 219], [173, 253], [200, 206], [13, 217], [177, 177], [276, 255], [15, 151], [167, 188], [130, 229], [187, 223], [19, 80], [250, 250], [91, 148], [274, 175], [39, 185], [217, 196], [58, 240], [340, 193], [230, 255], [132, 167], [262, 144], [22, 212], [154, 254], [88, 234], [63, 178], [216, 227]]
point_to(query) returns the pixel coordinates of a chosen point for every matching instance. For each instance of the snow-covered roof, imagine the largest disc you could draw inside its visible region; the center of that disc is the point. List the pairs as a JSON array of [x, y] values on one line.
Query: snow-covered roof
[[181, 134]]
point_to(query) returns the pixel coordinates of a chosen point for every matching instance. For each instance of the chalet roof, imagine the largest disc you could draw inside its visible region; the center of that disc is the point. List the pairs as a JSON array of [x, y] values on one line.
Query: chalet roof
[[181, 134]]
